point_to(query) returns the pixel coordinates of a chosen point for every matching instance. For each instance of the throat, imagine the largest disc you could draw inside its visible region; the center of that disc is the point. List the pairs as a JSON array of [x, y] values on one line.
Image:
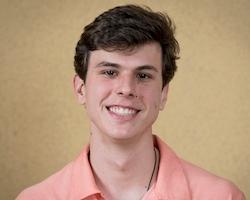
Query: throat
[[128, 176]]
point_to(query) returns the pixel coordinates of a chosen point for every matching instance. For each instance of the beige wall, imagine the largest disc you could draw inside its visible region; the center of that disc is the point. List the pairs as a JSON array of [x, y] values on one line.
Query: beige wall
[[42, 127]]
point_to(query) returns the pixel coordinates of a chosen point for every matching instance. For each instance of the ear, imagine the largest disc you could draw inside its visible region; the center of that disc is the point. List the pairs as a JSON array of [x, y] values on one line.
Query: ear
[[79, 89], [164, 94]]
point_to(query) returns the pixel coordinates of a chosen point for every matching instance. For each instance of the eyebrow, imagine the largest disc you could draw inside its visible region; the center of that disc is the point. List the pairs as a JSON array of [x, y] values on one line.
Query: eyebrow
[[115, 65], [108, 64]]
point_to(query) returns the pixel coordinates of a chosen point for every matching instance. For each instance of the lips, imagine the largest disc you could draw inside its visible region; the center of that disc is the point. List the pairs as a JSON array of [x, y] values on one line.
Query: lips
[[122, 111]]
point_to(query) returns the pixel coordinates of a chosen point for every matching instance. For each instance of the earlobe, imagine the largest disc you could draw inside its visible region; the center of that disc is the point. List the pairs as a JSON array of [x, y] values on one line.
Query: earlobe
[[79, 89], [164, 95]]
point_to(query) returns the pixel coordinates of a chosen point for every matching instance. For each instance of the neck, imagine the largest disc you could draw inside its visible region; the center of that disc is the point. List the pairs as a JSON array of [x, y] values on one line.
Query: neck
[[123, 170]]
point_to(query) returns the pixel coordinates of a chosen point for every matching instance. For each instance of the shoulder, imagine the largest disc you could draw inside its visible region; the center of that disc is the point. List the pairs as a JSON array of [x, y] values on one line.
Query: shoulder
[[51, 188], [205, 185], [197, 182]]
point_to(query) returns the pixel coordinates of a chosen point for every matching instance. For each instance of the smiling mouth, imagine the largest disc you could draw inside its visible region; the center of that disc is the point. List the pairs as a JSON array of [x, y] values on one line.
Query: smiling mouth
[[122, 111]]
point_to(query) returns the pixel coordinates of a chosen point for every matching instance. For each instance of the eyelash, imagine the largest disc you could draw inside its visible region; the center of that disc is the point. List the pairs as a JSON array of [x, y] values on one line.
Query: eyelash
[[146, 76], [110, 73]]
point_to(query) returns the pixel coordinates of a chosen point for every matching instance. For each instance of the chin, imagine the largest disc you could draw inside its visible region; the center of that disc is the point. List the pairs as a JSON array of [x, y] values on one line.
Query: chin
[[121, 135]]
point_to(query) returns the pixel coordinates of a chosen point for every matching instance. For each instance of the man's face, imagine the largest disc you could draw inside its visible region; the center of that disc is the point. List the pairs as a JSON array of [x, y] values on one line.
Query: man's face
[[123, 91]]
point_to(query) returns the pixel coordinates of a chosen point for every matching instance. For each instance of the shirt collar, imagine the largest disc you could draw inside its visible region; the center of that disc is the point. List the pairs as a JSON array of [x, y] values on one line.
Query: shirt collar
[[83, 181], [171, 181]]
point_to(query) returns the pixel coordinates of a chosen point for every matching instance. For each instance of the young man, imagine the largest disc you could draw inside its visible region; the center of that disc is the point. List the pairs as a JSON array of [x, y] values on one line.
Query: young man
[[124, 61]]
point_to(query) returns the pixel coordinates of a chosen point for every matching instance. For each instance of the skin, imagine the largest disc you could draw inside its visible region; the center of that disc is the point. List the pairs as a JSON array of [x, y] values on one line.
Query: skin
[[123, 95]]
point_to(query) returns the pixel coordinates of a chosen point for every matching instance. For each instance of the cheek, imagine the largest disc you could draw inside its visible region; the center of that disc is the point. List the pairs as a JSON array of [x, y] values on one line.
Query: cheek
[[152, 98], [97, 91]]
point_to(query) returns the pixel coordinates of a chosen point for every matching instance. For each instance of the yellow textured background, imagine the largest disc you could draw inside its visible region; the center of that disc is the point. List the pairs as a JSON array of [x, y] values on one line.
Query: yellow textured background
[[42, 127]]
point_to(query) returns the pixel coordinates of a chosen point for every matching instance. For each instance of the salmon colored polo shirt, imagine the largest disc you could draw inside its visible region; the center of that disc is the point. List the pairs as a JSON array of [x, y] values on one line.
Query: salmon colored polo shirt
[[176, 180]]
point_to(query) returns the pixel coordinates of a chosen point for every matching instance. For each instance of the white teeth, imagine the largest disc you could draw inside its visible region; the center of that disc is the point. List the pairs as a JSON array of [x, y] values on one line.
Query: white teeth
[[122, 111]]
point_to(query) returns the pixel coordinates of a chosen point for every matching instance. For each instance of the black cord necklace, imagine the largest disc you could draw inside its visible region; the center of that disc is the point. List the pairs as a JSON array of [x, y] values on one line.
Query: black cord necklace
[[152, 175]]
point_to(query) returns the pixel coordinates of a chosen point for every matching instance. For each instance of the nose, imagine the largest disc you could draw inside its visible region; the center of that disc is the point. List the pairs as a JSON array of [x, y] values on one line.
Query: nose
[[126, 86]]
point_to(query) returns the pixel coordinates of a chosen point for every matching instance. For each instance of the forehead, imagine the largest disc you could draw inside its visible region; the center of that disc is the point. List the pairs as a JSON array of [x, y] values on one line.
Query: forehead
[[146, 54]]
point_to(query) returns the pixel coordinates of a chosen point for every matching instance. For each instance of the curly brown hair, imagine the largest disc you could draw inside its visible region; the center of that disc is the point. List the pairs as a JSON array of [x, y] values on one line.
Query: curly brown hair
[[126, 27]]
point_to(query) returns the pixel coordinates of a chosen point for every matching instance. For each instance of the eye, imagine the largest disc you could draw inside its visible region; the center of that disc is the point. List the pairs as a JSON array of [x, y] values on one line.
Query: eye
[[110, 73], [143, 76]]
